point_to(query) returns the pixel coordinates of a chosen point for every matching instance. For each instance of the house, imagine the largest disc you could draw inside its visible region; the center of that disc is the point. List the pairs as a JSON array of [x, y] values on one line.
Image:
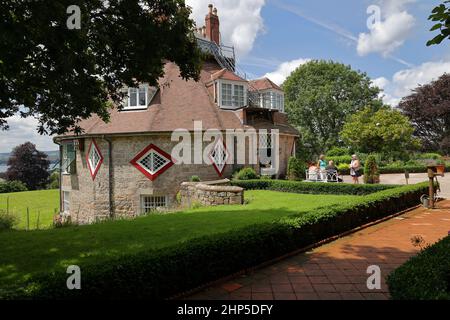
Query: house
[[126, 167]]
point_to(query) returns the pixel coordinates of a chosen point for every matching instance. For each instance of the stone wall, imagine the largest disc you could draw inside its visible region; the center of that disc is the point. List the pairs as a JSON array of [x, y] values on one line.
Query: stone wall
[[210, 194], [89, 198]]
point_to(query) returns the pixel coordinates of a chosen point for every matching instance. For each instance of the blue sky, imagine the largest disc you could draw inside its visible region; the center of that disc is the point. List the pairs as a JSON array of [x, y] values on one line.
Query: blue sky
[[273, 37]]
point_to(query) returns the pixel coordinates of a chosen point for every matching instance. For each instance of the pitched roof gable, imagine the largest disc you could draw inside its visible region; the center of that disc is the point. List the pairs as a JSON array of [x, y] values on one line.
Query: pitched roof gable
[[263, 84]]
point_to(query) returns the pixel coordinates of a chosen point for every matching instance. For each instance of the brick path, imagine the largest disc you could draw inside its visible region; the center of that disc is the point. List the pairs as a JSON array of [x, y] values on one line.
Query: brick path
[[338, 270]]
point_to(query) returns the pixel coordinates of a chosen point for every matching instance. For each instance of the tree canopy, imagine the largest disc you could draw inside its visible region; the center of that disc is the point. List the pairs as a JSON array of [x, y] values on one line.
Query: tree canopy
[[28, 165], [321, 95], [428, 107], [61, 75], [441, 15], [385, 131]]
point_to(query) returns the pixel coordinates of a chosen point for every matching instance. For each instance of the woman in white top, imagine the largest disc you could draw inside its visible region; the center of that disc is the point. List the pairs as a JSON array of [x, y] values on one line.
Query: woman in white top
[[355, 169]]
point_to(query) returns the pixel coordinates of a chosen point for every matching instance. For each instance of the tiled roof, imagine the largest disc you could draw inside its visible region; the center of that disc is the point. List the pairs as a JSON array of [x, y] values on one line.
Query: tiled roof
[[263, 84], [176, 105], [226, 75]]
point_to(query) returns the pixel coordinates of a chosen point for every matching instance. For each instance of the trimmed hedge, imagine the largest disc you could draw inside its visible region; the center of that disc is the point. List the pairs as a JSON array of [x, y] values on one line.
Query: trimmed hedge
[[393, 169], [158, 274], [312, 187], [425, 276], [410, 169]]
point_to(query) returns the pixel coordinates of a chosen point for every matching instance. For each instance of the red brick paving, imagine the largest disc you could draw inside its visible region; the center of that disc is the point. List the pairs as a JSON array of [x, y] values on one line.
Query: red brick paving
[[338, 270]]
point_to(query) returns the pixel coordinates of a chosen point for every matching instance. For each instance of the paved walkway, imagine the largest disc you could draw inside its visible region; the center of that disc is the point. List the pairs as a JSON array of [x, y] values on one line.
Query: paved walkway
[[338, 270], [399, 178]]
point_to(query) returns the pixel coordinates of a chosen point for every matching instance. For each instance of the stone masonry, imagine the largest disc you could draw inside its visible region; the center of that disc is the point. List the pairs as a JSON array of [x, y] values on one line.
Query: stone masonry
[[210, 194]]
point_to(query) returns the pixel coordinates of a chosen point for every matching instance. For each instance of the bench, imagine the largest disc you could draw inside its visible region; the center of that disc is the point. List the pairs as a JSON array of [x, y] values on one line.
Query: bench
[[324, 176]]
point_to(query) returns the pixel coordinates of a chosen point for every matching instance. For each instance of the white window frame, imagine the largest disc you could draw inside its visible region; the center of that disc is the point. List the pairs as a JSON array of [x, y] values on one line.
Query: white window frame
[[66, 202], [137, 106], [234, 101], [157, 199], [275, 100], [153, 151]]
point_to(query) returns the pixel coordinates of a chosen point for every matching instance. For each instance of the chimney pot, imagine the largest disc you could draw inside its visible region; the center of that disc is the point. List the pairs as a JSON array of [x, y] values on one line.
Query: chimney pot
[[212, 25]]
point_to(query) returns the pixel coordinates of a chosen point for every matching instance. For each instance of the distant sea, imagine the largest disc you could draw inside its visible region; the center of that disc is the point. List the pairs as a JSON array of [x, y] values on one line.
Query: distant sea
[[3, 168]]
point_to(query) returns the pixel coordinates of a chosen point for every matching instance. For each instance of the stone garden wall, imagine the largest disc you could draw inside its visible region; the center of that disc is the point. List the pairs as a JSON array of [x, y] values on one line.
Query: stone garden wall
[[210, 193]]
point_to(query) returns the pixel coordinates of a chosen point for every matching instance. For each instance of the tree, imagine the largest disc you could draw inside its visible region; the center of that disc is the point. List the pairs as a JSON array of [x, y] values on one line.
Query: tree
[[428, 107], [61, 75], [320, 95], [28, 165], [385, 131], [371, 173], [441, 13]]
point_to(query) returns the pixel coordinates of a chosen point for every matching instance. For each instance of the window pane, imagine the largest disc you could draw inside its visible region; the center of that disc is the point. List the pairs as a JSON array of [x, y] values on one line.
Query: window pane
[[142, 97], [133, 97], [227, 99], [238, 96]]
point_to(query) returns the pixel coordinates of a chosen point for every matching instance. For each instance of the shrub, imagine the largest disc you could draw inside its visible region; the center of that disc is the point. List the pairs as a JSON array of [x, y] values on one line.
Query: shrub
[[340, 159], [429, 156], [195, 179], [12, 186], [159, 274], [246, 173], [7, 220], [311, 188], [338, 151], [296, 169], [425, 276], [54, 180], [371, 173]]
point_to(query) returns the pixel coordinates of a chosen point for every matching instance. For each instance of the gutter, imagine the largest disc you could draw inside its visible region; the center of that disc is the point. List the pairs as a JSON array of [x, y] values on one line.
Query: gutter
[[110, 178]]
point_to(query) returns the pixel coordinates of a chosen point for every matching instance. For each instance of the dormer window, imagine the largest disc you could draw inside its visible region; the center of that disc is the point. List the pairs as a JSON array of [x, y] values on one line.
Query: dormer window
[[272, 100], [232, 94], [138, 98]]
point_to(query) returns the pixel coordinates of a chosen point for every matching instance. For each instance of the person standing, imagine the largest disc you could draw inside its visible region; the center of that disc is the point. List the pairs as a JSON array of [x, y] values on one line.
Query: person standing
[[355, 169], [322, 164]]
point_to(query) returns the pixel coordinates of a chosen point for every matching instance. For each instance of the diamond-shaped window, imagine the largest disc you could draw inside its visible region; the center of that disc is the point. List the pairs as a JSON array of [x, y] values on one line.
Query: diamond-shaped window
[[219, 156], [152, 161], [94, 159]]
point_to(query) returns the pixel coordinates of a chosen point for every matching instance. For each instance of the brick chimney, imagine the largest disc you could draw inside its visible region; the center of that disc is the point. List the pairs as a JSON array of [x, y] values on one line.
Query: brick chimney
[[212, 25]]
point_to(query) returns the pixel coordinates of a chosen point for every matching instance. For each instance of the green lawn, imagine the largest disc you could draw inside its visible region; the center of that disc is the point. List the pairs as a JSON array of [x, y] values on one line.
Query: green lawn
[[23, 253], [42, 202]]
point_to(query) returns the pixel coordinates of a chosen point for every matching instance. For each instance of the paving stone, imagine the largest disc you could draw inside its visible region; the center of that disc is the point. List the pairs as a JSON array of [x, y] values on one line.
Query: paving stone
[[338, 270]]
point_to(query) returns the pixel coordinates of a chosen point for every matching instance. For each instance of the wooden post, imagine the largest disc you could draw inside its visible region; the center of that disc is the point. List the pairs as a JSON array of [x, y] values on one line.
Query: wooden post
[[28, 219], [37, 221], [7, 205], [431, 173]]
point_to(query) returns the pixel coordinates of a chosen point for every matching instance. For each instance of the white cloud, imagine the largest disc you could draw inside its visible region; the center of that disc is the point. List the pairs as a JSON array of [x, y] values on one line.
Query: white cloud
[[284, 70], [380, 82], [390, 32], [404, 81], [23, 130], [240, 21]]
